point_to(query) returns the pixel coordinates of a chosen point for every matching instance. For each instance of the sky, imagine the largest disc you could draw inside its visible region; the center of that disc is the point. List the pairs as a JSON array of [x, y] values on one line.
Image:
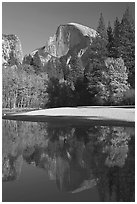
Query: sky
[[35, 22]]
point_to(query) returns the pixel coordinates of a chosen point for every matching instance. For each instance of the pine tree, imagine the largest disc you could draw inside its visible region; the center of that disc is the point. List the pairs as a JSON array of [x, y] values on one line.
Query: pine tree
[[117, 38], [110, 45], [101, 29], [124, 43], [127, 47], [76, 69], [94, 69], [37, 62]]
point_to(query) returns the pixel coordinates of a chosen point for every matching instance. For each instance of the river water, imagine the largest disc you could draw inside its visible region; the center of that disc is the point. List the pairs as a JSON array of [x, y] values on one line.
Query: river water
[[44, 161]]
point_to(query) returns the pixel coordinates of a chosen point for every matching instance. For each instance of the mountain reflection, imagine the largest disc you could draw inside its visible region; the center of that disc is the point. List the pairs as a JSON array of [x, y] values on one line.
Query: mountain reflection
[[77, 158]]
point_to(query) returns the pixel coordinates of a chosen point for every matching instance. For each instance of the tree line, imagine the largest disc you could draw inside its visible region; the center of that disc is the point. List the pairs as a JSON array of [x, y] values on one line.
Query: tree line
[[108, 78], [22, 87]]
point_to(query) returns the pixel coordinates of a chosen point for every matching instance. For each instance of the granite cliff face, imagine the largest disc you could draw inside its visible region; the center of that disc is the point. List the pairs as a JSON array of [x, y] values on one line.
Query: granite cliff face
[[69, 39], [11, 50]]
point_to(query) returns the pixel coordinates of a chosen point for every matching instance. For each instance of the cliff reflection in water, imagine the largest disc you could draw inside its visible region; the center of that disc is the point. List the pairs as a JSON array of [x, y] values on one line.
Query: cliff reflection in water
[[77, 158]]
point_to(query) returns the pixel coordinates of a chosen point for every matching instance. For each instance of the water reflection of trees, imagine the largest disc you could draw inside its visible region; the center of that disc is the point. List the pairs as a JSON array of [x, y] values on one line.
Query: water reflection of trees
[[77, 158]]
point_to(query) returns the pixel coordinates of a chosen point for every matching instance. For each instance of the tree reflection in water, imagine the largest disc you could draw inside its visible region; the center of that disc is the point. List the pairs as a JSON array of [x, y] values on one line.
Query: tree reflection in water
[[77, 158]]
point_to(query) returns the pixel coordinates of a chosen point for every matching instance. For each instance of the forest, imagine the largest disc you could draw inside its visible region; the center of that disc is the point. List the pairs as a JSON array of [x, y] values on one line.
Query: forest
[[107, 79]]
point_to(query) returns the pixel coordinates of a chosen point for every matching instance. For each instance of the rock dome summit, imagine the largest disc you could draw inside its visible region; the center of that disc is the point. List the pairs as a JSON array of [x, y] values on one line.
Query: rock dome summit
[[69, 39]]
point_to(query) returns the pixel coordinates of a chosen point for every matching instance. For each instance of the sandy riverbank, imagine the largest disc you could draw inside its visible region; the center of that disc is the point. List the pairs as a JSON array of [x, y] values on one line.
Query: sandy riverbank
[[92, 113]]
